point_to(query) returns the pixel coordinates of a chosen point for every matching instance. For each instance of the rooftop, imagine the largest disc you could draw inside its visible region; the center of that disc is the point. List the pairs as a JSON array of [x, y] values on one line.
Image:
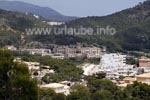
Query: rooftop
[[130, 78], [145, 75], [52, 85]]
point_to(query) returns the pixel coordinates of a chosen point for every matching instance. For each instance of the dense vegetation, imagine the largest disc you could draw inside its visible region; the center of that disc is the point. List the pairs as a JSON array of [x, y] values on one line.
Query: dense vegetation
[[13, 24], [9, 38], [15, 81], [64, 69]]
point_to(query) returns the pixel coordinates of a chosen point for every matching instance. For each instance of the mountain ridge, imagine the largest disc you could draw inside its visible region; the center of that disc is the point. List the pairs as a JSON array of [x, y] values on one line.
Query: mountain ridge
[[13, 24], [45, 12]]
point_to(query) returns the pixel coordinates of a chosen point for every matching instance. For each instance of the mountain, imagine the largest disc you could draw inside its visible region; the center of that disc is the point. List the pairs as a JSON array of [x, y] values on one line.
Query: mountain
[[125, 19], [132, 26], [13, 24], [45, 12]]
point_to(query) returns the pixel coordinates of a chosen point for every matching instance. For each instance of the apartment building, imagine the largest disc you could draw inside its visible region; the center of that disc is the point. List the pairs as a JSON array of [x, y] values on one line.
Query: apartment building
[[143, 78], [42, 52], [78, 51], [114, 65], [144, 62], [112, 61]]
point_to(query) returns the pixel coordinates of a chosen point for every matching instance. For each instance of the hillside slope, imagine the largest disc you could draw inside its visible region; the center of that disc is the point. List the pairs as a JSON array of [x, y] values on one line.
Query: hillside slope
[[132, 25], [12, 24], [45, 12]]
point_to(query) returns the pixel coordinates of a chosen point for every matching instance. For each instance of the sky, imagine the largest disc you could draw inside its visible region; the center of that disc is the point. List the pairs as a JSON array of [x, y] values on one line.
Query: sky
[[83, 8]]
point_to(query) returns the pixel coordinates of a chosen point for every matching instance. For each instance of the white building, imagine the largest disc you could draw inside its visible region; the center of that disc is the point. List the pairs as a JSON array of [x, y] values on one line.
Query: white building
[[11, 48], [59, 88], [115, 66], [36, 16], [58, 56], [55, 23], [32, 65], [42, 52], [112, 61]]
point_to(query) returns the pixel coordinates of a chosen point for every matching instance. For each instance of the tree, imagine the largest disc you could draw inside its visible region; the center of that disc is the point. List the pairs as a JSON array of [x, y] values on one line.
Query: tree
[[79, 92], [100, 75], [102, 95], [47, 94], [64, 69], [59, 96], [121, 95], [15, 82], [51, 78], [139, 91], [102, 84]]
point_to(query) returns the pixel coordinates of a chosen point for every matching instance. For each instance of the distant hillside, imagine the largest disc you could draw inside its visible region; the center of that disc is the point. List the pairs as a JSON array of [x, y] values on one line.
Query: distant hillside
[[132, 25], [45, 12], [12, 24], [125, 19]]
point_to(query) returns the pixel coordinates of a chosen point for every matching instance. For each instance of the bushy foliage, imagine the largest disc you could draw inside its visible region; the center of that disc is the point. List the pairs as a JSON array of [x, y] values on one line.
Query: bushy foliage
[[64, 69], [15, 82]]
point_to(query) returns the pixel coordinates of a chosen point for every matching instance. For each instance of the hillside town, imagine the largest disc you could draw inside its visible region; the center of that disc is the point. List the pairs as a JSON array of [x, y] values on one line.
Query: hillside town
[[74, 49], [62, 52], [113, 64]]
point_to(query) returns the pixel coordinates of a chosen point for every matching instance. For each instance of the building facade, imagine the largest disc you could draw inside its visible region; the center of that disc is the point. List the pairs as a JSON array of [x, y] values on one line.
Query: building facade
[[73, 52], [58, 88], [144, 62], [114, 65], [144, 78]]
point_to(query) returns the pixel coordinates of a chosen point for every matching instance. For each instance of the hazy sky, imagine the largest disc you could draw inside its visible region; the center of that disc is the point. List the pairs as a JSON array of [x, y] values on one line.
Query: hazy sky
[[86, 7]]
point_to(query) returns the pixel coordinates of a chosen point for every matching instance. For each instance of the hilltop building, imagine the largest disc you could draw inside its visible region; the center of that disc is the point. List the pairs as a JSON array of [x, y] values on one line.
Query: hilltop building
[[79, 51]]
